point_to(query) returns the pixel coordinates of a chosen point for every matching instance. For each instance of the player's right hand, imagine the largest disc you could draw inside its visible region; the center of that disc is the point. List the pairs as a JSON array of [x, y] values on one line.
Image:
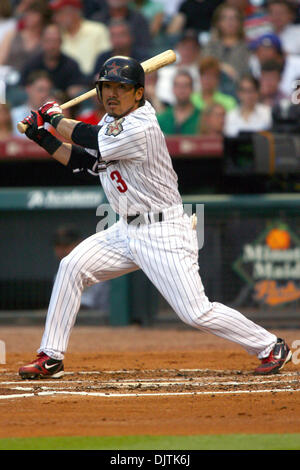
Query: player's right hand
[[50, 110]]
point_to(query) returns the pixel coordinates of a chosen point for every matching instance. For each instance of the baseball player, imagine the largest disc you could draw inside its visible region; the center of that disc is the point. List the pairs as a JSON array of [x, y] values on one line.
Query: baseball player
[[128, 152]]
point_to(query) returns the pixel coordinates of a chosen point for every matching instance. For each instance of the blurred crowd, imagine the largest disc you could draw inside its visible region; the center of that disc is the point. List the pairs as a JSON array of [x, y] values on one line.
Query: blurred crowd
[[237, 67]]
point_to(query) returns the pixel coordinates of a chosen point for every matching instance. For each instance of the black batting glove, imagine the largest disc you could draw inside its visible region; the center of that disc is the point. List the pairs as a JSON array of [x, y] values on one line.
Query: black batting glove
[[36, 132], [51, 112]]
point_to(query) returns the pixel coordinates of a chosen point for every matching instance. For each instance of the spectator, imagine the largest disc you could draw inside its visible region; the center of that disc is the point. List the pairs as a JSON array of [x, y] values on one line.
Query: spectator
[[268, 47], [38, 89], [7, 20], [20, 6], [265, 48], [122, 40], [20, 44], [90, 7], [150, 92], [120, 9], [153, 11], [256, 19], [270, 79], [96, 297], [282, 15], [213, 121], [5, 123], [227, 43], [63, 71], [82, 40], [193, 14], [188, 53], [183, 117], [171, 8], [297, 8], [210, 76], [163, 40], [250, 115], [244, 6]]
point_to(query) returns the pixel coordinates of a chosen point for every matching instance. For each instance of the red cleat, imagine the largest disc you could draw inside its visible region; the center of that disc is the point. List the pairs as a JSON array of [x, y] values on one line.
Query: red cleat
[[43, 367], [276, 360]]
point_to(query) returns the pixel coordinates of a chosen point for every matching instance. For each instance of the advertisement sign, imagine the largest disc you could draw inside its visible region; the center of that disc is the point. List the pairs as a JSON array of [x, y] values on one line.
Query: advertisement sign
[[270, 265]]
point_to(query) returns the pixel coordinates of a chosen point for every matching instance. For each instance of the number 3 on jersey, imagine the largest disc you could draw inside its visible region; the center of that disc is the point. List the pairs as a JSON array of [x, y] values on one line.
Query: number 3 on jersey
[[121, 185]]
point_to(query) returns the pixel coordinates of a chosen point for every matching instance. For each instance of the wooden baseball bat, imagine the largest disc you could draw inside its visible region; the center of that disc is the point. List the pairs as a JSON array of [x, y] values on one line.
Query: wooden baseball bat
[[150, 65]]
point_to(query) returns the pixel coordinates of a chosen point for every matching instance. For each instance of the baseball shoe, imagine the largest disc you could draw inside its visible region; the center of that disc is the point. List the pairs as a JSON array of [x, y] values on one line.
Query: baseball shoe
[[276, 360], [42, 367]]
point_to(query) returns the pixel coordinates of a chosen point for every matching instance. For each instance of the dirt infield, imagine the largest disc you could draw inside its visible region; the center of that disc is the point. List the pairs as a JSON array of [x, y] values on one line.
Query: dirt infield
[[133, 380]]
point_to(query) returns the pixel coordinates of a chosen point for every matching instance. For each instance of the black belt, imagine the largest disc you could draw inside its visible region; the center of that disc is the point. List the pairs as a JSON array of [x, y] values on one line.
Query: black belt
[[158, 217]]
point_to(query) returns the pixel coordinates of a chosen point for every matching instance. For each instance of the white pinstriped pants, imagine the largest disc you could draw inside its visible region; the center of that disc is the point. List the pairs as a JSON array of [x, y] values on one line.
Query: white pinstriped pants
[[167, 252]]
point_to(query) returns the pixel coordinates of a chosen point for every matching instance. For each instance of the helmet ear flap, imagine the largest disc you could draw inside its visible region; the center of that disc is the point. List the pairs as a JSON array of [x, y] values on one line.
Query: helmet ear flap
[[99, 90]]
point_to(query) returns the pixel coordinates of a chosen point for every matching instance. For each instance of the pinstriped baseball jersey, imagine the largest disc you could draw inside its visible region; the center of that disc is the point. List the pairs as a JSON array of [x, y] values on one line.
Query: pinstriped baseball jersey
[[136, 170], [135, 167]]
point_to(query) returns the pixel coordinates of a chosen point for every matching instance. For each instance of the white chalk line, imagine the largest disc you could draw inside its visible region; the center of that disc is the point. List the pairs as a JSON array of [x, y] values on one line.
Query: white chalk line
[[37, 382], [157, 382], [41, 390], [145, 384], [130, 371], [146, 371], [163, 381], [142, 372], [148, 395], [149, 380]]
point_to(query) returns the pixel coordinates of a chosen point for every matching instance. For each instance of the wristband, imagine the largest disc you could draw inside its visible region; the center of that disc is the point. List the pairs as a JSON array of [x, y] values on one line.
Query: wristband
[[55, 120], [50, 143]]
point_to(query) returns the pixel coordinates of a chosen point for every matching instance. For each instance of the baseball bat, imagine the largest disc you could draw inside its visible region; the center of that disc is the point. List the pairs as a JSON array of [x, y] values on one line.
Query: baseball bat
[[150, 65]]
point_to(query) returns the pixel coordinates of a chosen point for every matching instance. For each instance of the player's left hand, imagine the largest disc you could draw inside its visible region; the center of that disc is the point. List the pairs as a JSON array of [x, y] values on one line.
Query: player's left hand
[[35, 130], [50, 110]]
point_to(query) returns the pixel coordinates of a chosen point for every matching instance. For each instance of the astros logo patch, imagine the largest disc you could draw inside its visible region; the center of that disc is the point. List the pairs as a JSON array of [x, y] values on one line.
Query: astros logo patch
[[115, 128]]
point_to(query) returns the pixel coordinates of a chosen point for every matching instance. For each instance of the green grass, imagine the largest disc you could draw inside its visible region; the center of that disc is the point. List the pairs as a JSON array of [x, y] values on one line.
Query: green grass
[[220, 442]]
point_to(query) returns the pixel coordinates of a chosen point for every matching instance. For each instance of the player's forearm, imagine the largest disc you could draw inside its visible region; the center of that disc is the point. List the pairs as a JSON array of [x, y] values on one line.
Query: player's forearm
[[63, 153], [58, 150], [65, 127]]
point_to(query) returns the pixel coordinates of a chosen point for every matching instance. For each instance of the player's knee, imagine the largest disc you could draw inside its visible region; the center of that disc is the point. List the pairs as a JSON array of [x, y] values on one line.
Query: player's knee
[[68, 265], [189, 320], [199, 314]]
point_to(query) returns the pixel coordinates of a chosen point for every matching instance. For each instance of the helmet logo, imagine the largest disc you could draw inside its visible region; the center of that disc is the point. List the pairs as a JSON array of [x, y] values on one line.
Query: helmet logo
[[113, 68]]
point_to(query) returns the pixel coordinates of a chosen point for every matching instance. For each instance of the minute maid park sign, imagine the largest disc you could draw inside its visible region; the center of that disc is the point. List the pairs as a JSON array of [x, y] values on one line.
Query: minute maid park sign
[[271, 265]]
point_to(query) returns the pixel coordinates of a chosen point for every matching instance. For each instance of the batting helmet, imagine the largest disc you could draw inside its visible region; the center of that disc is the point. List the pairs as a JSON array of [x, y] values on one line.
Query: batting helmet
[[123, 70]]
